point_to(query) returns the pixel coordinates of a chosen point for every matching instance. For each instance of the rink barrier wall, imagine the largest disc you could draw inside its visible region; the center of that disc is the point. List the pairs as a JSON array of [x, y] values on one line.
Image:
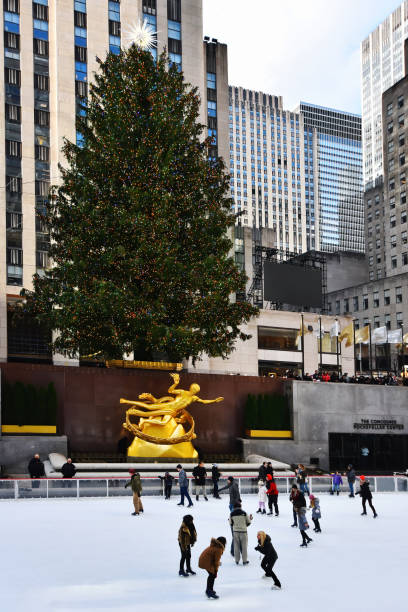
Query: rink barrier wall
[[53, 488]]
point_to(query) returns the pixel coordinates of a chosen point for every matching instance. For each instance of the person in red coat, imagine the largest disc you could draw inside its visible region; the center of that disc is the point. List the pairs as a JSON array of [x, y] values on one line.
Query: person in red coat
[[272, 493]]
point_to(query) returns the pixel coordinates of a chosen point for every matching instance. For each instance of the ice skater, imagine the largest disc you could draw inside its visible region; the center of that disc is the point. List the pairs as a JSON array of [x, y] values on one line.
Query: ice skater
[[272, 493], [261, 497], [316, 513], [302, 479], [234, 493], [266, 548], [136, 486], [351, 478], [167, 479], [292, 495], [215, 476], [210, 560], [240, 521], [303, 526], [187, 537], [366, 496], [337, 481], [199, 475], [183, 482]]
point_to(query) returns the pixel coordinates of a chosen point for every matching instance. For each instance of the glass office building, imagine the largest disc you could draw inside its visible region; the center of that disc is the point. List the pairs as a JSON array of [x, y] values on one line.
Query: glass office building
[[338, 157]]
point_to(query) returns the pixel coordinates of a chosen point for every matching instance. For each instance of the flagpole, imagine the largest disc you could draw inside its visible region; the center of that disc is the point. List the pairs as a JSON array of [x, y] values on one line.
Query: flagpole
[[370, 356], [354, 346], [337, 348], [402, 347], [303, 347], [320, 336]]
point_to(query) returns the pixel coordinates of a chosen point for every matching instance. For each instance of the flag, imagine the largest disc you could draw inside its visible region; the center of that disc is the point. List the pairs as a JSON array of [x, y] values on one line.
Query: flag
[[347, 335], [319, 332], [379, 335], [405, 339], [362, 335], [335, 329], [299, 334], [395, 336]]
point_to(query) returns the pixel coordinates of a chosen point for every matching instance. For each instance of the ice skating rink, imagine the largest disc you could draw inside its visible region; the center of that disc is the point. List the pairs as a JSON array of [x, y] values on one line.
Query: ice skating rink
[[60, 555]]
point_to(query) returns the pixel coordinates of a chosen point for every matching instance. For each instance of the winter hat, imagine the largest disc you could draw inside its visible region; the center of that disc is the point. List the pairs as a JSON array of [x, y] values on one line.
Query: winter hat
[[178, 466], [230, 478], [188, 519], [132, 471], [311, 497], [362, 478], [294, 486], [269, 477], [260, 483], [222, 540]]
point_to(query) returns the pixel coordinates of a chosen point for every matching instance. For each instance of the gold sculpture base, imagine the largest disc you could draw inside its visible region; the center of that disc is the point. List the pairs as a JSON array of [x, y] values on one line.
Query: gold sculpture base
[[168, 428]]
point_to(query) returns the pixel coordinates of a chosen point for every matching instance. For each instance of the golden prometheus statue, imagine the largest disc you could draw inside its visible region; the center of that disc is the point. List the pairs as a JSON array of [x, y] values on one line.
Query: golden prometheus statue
[[160, 431]]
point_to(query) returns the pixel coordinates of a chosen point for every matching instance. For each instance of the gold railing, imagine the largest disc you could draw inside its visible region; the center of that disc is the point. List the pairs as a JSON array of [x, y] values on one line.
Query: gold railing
[[144, 365]]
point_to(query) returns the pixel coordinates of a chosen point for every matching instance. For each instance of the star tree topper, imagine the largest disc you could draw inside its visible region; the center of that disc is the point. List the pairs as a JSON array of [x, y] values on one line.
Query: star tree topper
[[142, 35]]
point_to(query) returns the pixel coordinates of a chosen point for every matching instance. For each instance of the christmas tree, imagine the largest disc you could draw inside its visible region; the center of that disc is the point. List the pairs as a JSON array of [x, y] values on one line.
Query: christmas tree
[[140, 251]]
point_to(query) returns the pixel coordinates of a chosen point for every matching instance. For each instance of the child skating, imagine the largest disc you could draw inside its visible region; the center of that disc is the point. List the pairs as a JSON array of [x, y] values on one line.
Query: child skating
[[303, 526], [266, 548], [272, 493], [210, 560], [187, 536], [261, 497], [366, 496], [337, 481], [316, 513]]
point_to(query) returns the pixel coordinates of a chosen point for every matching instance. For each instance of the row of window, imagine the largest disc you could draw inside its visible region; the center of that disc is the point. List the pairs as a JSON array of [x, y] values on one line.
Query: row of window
[[354, 304]]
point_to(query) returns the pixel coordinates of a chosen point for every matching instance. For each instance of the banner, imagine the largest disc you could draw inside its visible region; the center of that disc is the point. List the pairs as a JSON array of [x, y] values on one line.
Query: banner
[[362, 335], [347, 335], [395, 336], [335, 329], [379, 335]]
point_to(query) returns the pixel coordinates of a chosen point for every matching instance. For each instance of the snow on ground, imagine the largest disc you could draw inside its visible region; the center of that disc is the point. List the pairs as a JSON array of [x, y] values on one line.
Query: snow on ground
[[91, 554]]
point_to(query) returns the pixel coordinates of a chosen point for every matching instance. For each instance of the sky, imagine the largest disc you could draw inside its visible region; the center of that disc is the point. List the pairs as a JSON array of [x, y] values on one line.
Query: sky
[[305, 50]]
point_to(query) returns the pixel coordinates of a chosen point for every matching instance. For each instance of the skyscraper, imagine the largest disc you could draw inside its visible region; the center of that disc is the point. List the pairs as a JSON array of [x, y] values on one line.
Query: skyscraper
[[382, 65], [339, 176], [50, 52], [272, 168]]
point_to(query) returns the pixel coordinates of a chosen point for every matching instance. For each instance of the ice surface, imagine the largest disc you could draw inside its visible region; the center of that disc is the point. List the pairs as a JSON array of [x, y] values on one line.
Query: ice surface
[[60, 555]]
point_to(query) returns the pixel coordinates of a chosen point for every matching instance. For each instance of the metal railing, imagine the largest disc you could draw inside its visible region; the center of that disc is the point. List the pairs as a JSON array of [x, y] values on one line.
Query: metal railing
[[52, 488]]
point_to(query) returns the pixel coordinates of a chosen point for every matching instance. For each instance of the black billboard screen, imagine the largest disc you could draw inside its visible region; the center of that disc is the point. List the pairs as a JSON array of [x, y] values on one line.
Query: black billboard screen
[[292, 284]]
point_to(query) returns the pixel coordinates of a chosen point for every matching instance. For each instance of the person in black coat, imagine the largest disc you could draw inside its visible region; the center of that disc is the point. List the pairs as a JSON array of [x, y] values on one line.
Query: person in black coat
[[298, 499], [266, 548], [351, 478], [167, 479], [215, 476], [366, 496], [199, 475], [36, 469], [269, 468], [262, 471], [68, 469]]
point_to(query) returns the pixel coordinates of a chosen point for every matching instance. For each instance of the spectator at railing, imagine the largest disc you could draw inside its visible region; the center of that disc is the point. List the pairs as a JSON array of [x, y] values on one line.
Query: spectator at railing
[[68, 469], [36, 469]]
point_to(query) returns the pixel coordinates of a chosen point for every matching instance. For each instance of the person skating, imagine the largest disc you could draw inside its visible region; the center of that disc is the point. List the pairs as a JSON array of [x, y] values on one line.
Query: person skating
[[136, 486], [272, 493], [167, 479], [303, 526], [199, 475], [265, 547], [337, 481], [292, 495], [234, 494], [366, 496], [351, 478], [261, 497], [240, 521], [210, 560], [302, 478], [316, 513], [263, 470], [183, 483], [215, 476], [187, 536]]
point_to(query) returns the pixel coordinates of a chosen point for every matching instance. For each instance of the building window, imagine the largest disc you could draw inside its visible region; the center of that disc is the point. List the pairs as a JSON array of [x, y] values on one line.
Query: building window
[[337, 306], [365, 301], [386, 297], [376, 299], [390, 127], [398, 295], [402, 159], [403, 179], [403, 217], [400, 101], [404, 237], [211, 80], [212, 108], [355, 303], [42, 153], [13, 113], [41, 118], [41, 82], [376, 321], [401, 140], [392, 221], [393, 241], [387, 320], [13, 148], [370, 260], [346, 305], [399, 318], [392, 202], [389, 109], [393, 262], [391, 184], [12, 76], [401, 121], [14, 184], [405, 259], [277, 338]]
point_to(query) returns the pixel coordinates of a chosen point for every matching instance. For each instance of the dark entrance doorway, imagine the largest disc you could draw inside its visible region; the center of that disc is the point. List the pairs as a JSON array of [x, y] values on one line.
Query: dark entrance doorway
[[368, 452]]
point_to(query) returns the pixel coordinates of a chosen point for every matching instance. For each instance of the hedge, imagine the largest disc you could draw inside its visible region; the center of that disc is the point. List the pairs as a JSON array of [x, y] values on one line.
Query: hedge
[[28, 405], [267, 412]]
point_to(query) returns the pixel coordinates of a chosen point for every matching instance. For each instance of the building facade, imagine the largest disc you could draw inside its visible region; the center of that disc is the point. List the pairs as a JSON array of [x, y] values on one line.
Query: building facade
[[272, 169], [382, 65], [382, 300], [338, 167], [50, 53]]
